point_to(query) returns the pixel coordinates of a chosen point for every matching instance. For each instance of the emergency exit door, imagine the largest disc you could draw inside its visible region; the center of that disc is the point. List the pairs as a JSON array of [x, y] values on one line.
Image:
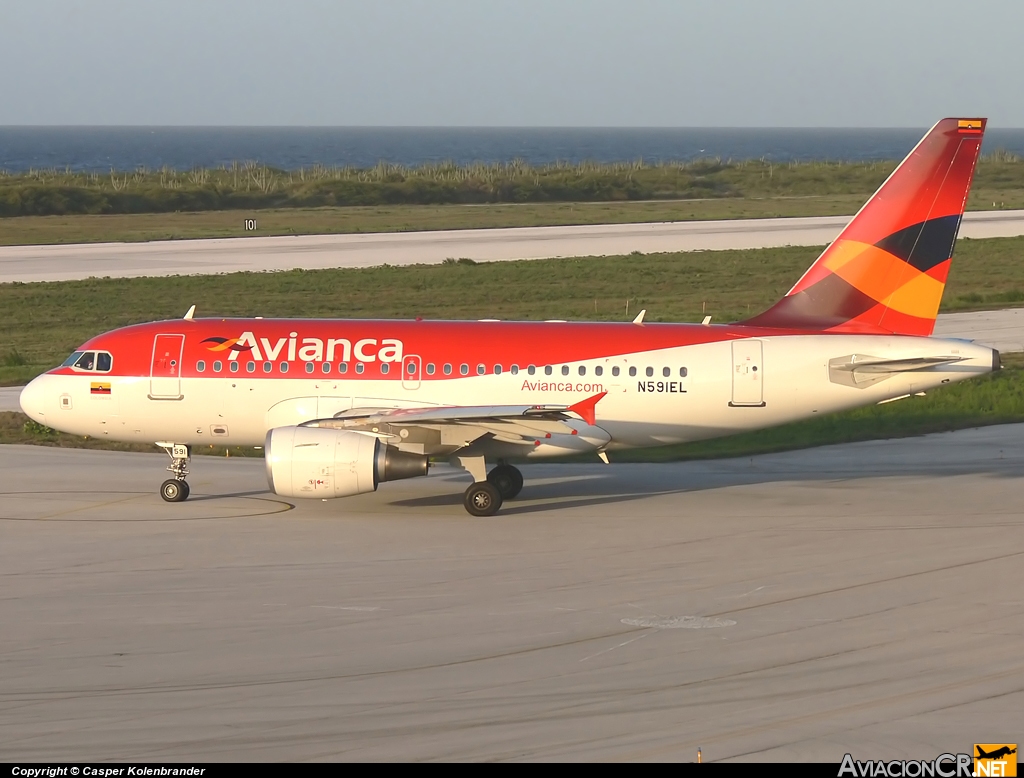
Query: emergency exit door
[[747, 373], [412, 366], [165, 369]]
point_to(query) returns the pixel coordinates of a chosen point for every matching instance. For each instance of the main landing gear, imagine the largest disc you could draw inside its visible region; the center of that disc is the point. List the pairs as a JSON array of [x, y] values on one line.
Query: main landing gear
[[485, 496], [507, 479], [176, 489]]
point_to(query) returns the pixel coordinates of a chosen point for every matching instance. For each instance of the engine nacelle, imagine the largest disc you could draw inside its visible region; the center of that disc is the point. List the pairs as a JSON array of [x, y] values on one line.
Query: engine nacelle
[[318, 462]]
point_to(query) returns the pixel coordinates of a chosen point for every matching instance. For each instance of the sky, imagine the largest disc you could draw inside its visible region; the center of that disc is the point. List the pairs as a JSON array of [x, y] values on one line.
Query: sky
[[575, 63]]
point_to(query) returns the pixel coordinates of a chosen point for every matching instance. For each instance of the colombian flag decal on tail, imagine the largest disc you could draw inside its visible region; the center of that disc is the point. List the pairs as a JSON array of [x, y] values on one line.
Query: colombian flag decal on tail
[[99, 388], [969, 126]]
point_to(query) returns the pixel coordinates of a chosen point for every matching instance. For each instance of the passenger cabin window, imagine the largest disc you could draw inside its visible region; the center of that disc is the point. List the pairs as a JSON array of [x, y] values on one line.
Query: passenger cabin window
[[218, 366], [447, 369], [547, 369], [343, 367], [531, 370], [200, 366], [514, 370], [598, 370], [360, 367], [565, 370], [284, 367], [632, 372], [250, 367], [430, 368], [464, 369], [481, 369], [497, 370], [268, 366], [583, 370], [666, 371], [615, 370], [649, 371], [682, 372], [325, 368], [233, 367], [385, 368], [309, 367]]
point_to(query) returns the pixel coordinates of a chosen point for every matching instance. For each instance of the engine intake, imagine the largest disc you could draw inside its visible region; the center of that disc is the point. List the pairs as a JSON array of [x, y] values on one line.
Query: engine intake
[[318, 462]]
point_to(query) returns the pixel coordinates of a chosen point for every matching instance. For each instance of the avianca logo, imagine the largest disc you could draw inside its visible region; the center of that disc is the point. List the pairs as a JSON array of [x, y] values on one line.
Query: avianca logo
[[223, 344], [308, 349]]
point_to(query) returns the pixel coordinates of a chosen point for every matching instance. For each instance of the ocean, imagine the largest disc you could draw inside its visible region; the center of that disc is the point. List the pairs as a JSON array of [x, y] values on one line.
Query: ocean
[[98, 149]]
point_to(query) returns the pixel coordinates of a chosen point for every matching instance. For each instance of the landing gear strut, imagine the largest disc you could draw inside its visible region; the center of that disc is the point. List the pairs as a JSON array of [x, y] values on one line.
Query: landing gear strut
[[176, 489]]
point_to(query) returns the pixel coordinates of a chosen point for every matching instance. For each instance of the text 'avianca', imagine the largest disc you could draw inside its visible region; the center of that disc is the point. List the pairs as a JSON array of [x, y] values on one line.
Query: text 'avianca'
[[308, 349]]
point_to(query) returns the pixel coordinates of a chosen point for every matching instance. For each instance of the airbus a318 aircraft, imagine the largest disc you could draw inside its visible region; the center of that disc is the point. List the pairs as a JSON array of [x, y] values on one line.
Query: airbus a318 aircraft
[[343, 405]]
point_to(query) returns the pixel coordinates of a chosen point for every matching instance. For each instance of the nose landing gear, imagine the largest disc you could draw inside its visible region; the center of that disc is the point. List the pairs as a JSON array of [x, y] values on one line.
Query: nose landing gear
[[176, 489]]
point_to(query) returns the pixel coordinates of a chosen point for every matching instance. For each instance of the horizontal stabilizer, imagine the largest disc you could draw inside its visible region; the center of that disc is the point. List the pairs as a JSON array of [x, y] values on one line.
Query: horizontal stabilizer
[[859, 370]]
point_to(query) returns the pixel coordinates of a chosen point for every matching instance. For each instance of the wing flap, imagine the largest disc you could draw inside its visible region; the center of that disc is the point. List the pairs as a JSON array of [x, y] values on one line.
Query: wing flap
[[442, 430]]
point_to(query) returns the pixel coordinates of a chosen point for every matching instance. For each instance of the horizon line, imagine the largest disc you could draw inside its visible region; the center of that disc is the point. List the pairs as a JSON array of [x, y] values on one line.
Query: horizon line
[[467, 127]]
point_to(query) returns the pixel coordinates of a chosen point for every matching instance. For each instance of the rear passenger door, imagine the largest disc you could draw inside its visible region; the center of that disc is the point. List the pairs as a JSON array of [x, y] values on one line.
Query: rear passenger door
[[747, 373]]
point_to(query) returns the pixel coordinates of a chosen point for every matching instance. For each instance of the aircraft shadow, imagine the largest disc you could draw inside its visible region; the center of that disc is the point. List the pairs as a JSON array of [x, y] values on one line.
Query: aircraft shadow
[[552, 487]]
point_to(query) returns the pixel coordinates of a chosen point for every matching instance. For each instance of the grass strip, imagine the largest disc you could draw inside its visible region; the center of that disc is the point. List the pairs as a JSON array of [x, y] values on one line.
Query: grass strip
[[129, 228], [44, 322]]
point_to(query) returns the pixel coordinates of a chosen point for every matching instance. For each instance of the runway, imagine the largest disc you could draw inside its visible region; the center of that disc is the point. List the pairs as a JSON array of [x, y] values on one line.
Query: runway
[[862, 598], [197, 257]]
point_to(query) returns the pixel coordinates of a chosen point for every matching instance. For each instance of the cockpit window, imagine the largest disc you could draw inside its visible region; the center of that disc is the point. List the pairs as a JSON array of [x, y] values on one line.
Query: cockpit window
[[93, 361], [87, 361]]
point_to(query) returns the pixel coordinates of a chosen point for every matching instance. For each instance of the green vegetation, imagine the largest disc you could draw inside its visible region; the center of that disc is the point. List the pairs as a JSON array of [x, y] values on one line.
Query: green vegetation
[[44, 322], [95, 228], [254, 187]]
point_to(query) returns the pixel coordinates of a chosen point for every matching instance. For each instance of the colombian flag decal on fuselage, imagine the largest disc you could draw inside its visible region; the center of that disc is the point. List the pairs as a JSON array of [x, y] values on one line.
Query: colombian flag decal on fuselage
[[99, 388]]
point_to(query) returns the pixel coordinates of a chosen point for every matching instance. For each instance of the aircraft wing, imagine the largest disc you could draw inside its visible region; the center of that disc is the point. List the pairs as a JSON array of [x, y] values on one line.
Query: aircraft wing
[[499, 430]]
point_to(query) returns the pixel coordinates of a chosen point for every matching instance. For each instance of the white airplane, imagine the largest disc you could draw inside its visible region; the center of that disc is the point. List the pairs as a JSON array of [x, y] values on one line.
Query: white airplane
[[342, 405]]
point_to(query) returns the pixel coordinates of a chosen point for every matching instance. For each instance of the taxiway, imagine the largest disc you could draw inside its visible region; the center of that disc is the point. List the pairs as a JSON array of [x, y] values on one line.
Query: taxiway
[[862, 598]]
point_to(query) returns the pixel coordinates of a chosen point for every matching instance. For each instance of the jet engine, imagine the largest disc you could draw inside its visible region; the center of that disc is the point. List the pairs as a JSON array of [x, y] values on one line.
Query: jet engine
[[319, 462]]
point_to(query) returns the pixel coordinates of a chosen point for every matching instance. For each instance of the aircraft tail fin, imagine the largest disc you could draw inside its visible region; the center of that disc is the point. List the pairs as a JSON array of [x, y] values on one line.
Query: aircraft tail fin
[[886, 271]]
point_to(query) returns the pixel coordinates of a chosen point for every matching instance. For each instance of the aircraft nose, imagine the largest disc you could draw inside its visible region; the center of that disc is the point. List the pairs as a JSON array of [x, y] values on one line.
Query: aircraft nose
[[33, 400]]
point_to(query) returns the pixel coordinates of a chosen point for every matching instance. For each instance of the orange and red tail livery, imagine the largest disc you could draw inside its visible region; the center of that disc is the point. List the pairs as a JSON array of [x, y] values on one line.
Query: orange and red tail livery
[[886, 271]]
